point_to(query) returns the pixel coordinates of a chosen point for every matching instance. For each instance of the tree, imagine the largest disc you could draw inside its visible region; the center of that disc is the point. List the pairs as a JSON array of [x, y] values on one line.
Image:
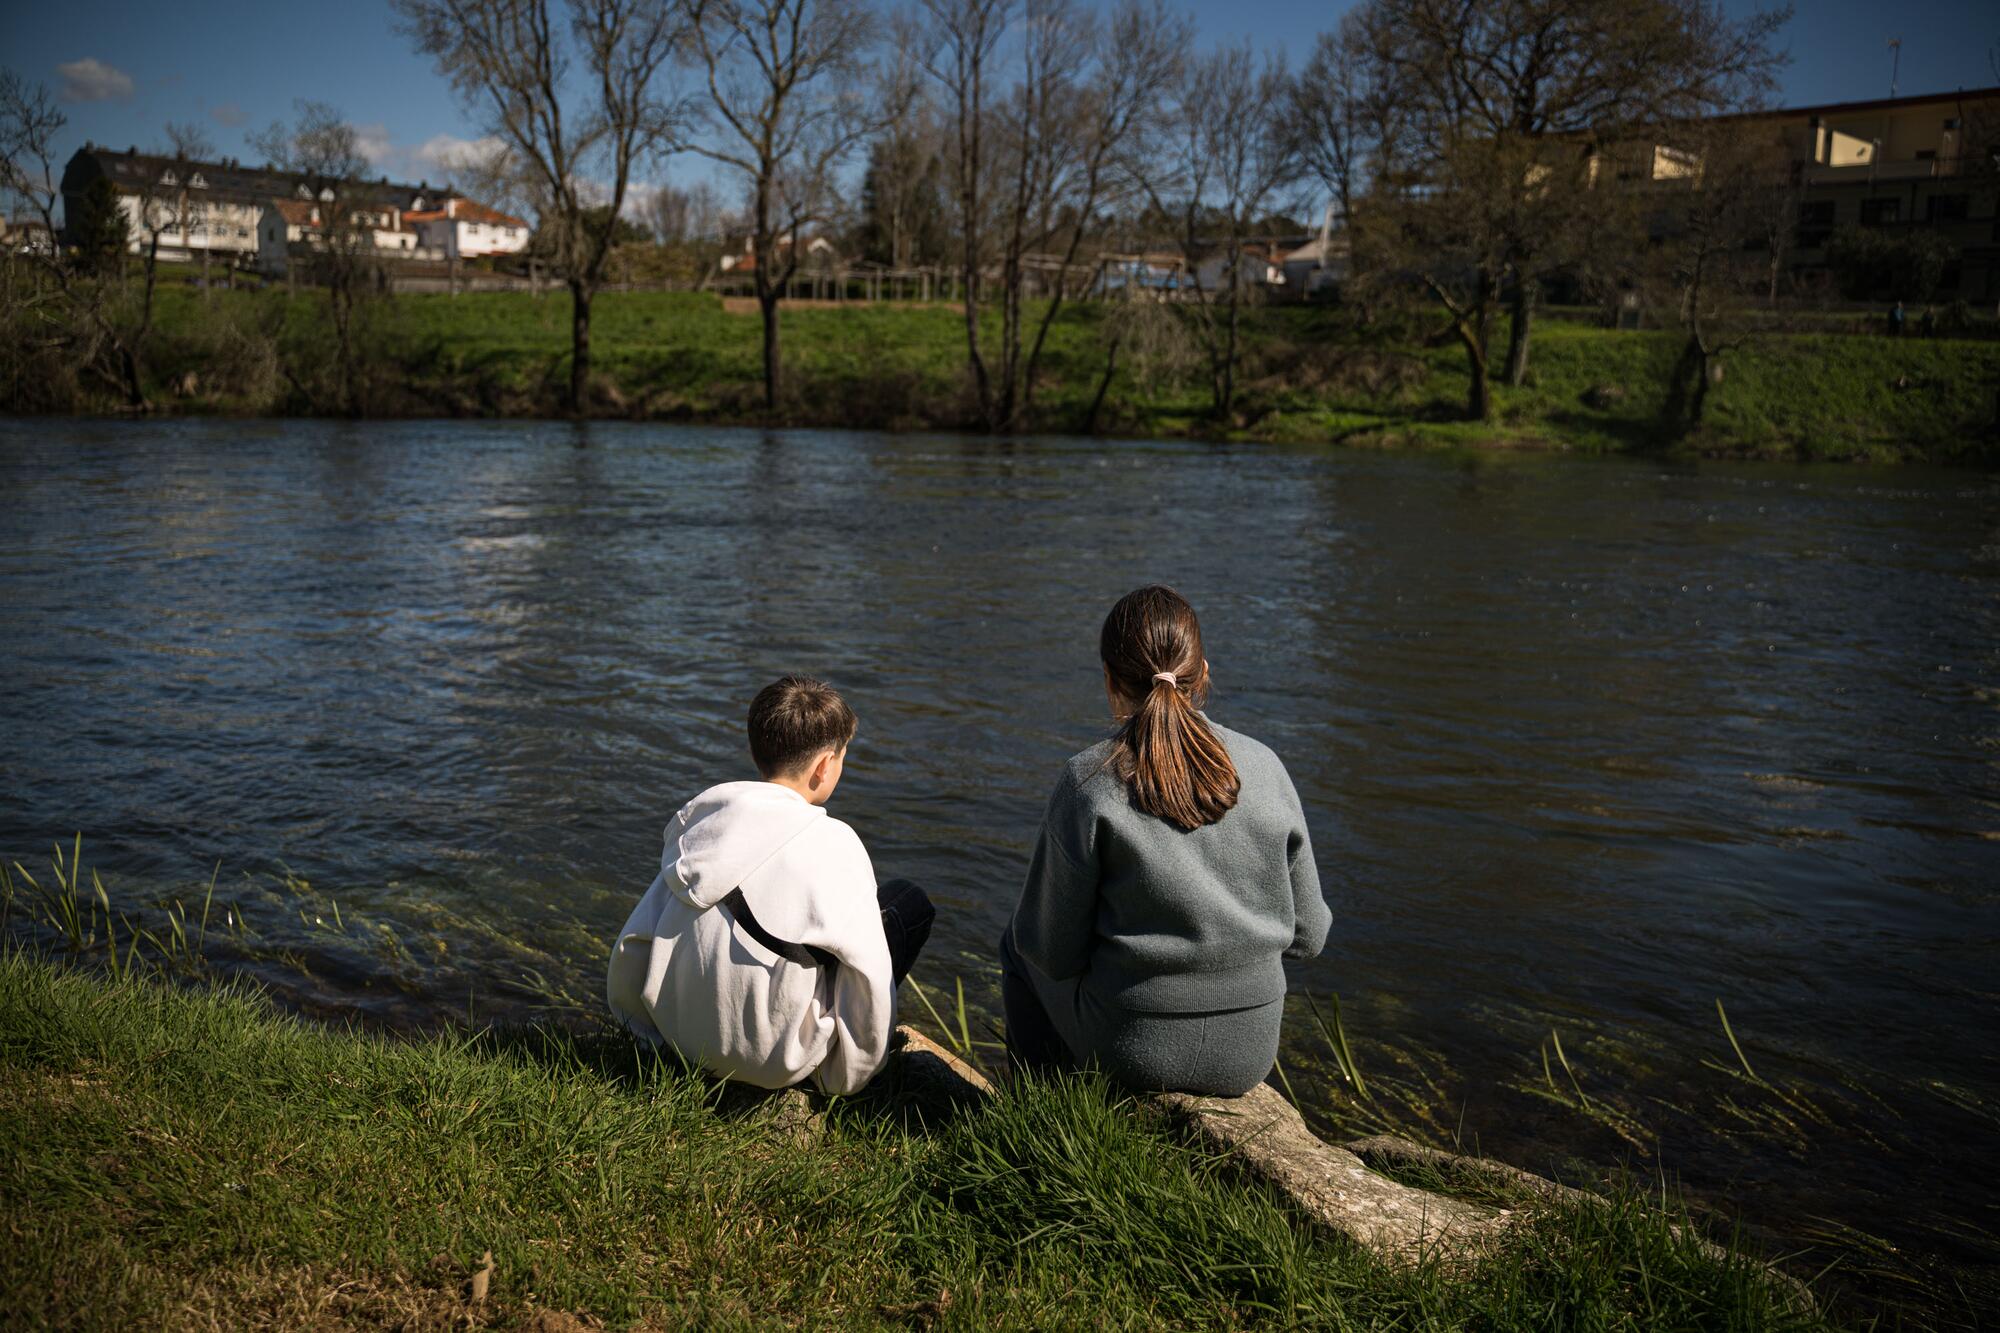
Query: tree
[[1345, 120], [1710, 258], [693, 228], [166, 204], [903, 222], [546, 242], [323, 151], [1040, 167], [960, 40], [1508, 114], [787, 102], [569, 141], [1229, 152], [100, 230], [81, 323], [1870, 263]]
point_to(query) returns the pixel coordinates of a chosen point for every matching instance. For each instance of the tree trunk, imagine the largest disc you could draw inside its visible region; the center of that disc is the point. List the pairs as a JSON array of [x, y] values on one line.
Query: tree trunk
[[1517, 336], [767, 304], [1704, 370], [579, 355], [1479, 401], [343, 327], [1227, 399], [1103, 384]]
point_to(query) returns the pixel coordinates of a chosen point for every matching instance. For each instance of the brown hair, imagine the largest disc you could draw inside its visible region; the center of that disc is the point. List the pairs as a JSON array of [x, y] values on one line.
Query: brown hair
[[1176, 766], [794, 718]]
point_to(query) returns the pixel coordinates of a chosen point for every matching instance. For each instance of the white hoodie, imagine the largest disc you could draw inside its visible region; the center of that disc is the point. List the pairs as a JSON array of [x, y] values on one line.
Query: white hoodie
[[684, 972]]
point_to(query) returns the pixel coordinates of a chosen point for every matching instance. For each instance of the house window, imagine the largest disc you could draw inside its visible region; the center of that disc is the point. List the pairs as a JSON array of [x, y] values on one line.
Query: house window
[[195, 182], [167, 177], [1881, 212], [1946, 207]]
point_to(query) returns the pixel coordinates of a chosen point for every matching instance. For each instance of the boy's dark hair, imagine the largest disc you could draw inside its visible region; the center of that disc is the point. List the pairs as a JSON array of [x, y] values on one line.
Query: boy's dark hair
[[794, 718]]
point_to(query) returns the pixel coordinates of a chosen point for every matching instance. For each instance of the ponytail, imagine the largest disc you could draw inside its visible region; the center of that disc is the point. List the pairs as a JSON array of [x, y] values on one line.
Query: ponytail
[[1166, 752]]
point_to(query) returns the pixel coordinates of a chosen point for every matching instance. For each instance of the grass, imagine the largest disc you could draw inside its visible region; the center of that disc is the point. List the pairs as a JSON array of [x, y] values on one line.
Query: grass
[[1309, 375], [178, 1156]]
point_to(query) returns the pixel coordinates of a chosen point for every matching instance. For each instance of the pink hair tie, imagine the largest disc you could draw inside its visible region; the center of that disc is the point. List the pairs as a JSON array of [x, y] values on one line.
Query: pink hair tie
[[1168, 677]]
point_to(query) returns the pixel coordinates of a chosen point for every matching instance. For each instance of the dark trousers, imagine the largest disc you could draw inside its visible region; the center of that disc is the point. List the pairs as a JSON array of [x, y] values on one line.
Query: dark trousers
[[906, 923], [1032, 1040]]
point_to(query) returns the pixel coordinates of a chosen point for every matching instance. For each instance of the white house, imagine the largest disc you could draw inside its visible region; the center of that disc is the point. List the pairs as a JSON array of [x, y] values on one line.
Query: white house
[[291, 225], [466, 229], [1321, 264], [818, 249], [1256, 266]]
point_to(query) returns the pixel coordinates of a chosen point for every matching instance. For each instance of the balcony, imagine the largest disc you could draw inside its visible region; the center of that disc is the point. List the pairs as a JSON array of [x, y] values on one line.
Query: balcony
[[1907, 169]]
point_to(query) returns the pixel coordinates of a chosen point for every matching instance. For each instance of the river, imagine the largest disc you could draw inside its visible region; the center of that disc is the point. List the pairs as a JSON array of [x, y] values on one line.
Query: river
[[1586, 745]]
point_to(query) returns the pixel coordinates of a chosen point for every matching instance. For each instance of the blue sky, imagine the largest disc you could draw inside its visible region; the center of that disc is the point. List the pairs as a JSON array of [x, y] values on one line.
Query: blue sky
[[127, 69]]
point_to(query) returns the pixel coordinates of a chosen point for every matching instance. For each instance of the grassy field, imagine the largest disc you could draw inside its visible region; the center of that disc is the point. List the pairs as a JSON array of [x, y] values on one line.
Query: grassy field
[[190, 1157], [1309, 375]]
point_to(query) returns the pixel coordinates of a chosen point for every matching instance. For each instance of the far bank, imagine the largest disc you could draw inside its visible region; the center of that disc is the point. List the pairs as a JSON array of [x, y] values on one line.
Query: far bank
[[1308, 375]]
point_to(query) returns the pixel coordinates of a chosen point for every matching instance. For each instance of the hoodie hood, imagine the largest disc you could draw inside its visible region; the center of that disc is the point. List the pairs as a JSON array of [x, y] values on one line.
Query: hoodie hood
[[722, 836]]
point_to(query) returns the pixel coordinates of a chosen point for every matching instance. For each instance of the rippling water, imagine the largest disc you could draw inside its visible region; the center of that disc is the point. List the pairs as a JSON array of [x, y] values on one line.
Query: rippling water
[[1585, 745]]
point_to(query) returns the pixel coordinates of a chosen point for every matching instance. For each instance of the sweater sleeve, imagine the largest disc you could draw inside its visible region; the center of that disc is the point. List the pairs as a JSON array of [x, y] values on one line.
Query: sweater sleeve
[[863, 996], [1311, 918], [1055, 923]]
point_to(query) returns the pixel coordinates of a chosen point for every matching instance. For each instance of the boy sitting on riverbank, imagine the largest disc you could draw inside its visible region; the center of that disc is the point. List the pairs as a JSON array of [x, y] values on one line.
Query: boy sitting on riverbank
[[764, 950]]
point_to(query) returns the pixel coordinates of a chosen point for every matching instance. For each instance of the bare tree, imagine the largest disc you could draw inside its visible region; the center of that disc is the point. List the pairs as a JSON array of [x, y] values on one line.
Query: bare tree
[[789, 99], [1711, 260], [691, 227], [323, 152], [1041, 165], [1087, 95], [902, 220], [1345, 120], [960, 42], [1228, 155], [167, 203], [573, 102], [79, 321], [669, 213], [1507, 112]]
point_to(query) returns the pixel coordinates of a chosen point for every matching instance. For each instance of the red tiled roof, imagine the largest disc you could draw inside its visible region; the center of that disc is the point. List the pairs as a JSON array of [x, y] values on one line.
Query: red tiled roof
[[297, 212], [467, 210]]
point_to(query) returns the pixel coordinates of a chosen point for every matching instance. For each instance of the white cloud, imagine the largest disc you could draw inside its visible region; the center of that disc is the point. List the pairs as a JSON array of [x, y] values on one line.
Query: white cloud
[[373, 143], [451, 155], [439, 158], [91, 80]]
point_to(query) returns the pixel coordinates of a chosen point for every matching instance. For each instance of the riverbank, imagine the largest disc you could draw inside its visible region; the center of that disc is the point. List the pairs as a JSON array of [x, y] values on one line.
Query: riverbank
[[181, 1156], [1308, 375]]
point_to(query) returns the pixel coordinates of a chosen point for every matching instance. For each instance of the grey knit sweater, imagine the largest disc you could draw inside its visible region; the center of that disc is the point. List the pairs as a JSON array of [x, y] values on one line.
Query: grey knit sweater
[[1153, 918]]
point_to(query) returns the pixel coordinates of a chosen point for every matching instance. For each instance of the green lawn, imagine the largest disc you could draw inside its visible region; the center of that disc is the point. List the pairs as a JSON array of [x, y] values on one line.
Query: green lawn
[[179, 1157], [1308, 375]]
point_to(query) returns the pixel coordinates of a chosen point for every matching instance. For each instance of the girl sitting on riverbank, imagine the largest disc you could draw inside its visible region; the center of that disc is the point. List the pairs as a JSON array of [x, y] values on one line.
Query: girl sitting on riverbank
[[1172, 875]]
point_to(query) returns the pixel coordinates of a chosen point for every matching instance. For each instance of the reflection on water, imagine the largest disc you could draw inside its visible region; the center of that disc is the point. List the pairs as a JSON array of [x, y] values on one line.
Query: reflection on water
[[1584, 745]]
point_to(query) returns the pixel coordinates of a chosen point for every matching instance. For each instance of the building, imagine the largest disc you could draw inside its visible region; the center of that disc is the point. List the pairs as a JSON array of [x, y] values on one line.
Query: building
[[259, 216], [819, 250], [1259, 267], [1896, 165], [25, 236], [464, 229], [291, 229], [1900, 164]]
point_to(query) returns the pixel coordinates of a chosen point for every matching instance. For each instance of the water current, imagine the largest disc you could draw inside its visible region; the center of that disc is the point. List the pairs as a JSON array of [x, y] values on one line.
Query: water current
[[1585, 745]]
